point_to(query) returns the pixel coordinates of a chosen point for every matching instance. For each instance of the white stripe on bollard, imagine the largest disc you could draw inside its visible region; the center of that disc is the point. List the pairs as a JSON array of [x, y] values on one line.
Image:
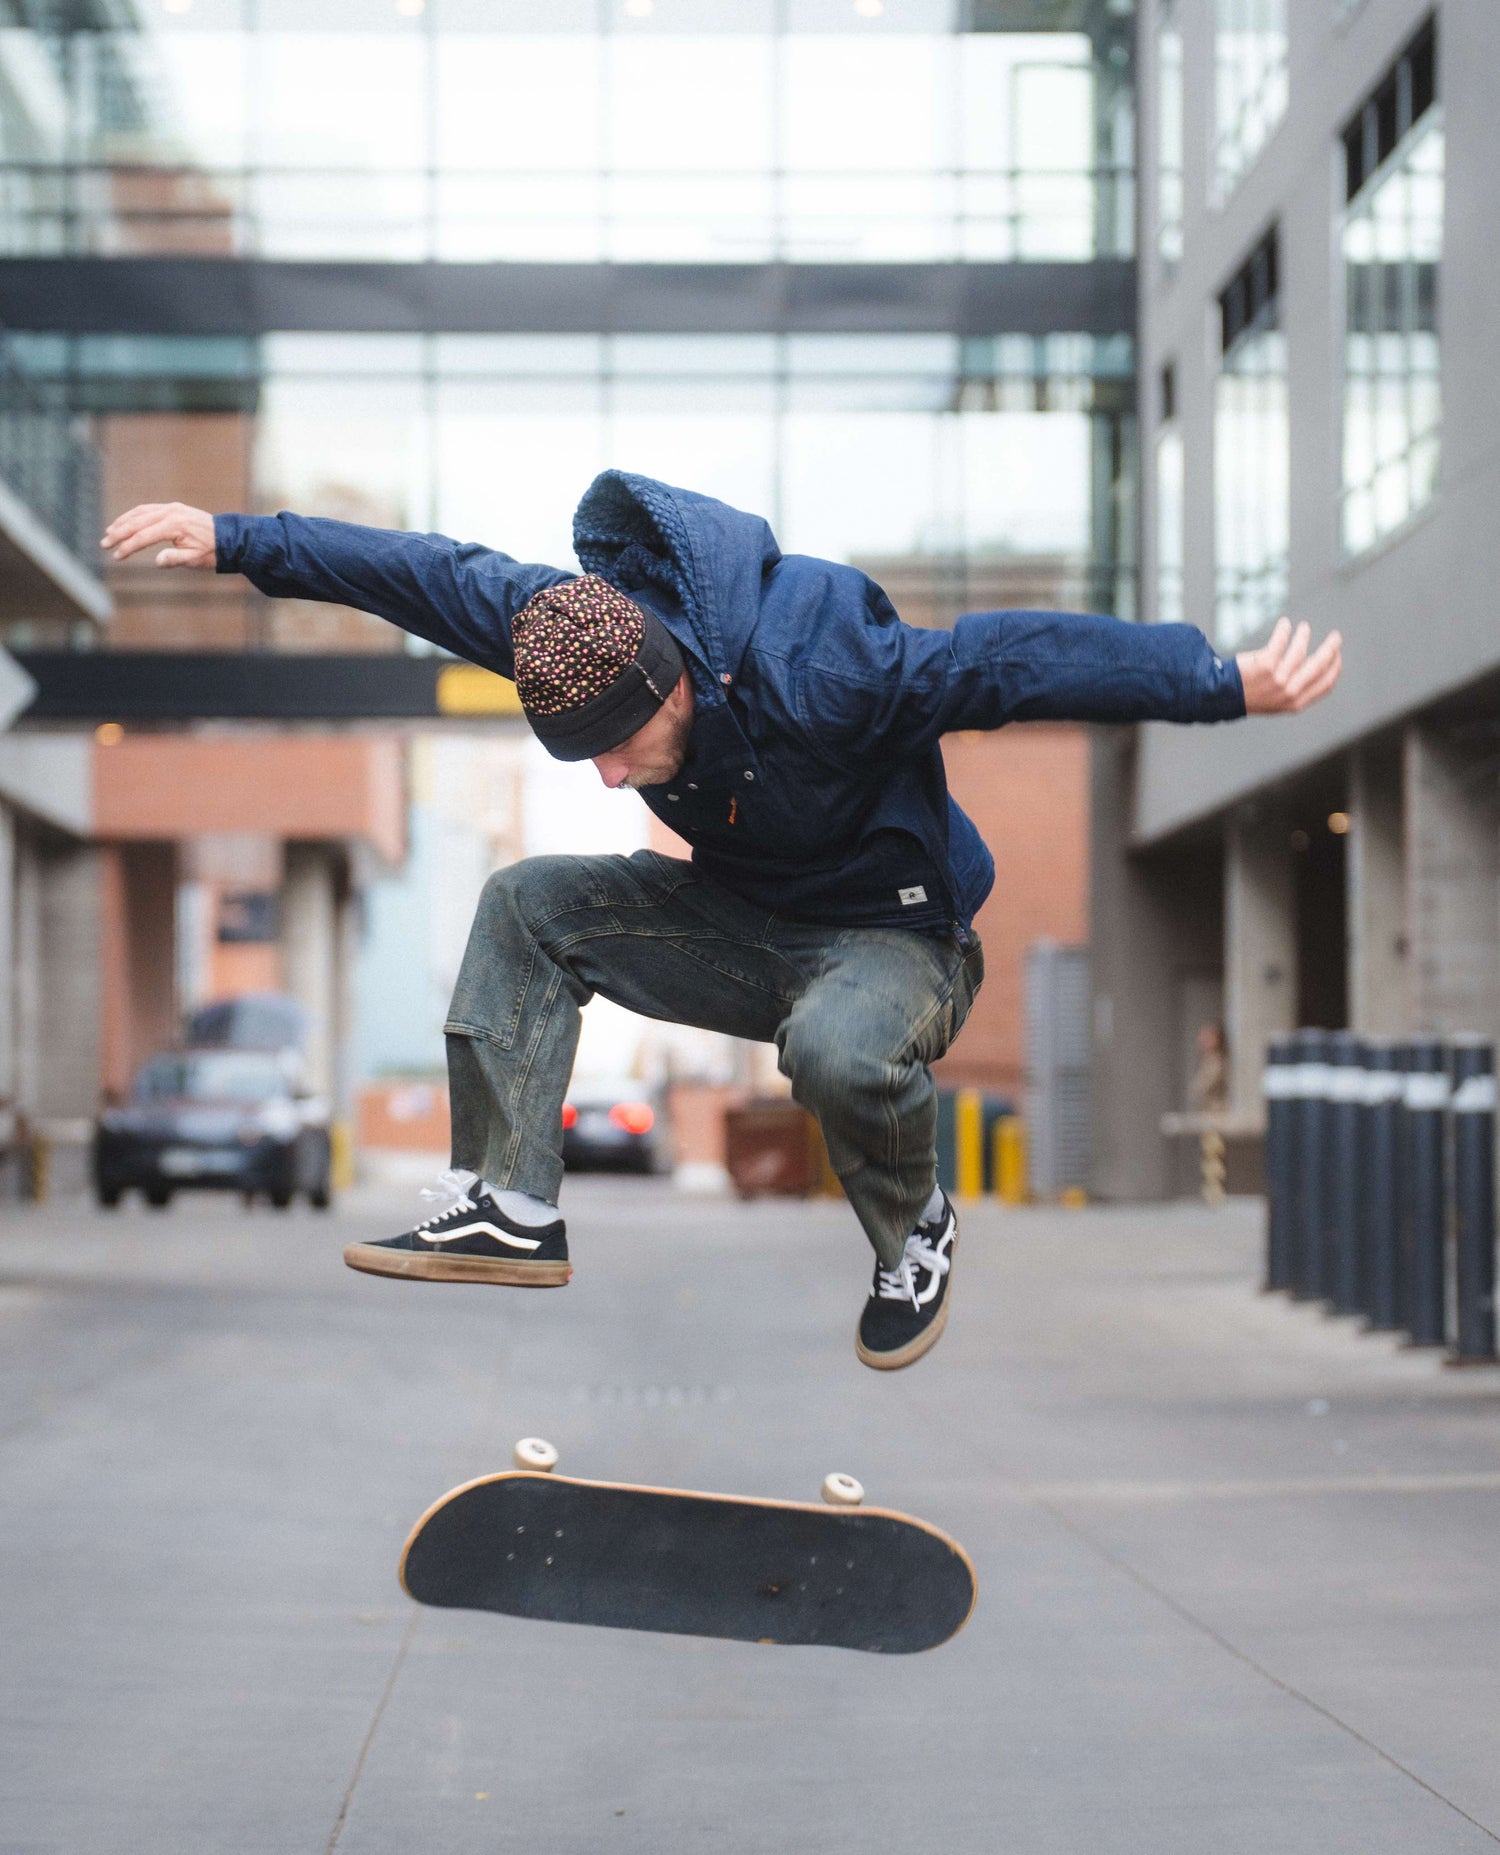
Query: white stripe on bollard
[[1346, 1083], [1380, 1085], [1475, 1095], [1426, 1089]]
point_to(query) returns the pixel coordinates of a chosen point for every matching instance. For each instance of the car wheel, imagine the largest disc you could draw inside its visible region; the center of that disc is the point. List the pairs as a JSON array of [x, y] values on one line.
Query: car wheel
[[282, 1200], [108, 1197], [321, 1196], [158, 1196]]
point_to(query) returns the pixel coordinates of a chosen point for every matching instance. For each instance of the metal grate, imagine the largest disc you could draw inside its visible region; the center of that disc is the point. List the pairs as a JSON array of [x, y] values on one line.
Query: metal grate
[[1057, 1067]]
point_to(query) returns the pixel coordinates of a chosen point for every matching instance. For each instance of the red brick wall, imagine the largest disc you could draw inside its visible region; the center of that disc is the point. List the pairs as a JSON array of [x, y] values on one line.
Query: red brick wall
[[1026, 788]]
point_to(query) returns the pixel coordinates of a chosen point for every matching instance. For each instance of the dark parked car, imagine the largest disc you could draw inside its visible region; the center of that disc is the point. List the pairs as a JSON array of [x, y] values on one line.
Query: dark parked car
[[611, 1124], [232, 1119]]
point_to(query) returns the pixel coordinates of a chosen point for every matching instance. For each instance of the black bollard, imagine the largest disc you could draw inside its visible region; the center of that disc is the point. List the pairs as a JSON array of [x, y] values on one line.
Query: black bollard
[[1278, 1084], [1312, 1161], [1424, 1222], [1341, 1180], [1473, 1110], [1379, 1222]]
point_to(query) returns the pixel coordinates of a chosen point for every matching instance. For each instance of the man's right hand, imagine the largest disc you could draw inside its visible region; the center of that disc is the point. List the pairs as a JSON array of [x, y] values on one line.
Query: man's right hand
[[185, 536]]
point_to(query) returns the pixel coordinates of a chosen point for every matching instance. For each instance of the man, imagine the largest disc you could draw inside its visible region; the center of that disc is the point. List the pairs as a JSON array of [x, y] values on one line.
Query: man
[[778, 715]]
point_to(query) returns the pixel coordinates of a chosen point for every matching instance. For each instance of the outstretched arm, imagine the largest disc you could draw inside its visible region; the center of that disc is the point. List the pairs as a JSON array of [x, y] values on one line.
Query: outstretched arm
[[890, 687], [454, 594]]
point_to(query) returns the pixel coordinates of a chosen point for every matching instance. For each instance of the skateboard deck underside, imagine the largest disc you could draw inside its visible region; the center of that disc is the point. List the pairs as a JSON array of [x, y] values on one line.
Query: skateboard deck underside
[[622, 1557]]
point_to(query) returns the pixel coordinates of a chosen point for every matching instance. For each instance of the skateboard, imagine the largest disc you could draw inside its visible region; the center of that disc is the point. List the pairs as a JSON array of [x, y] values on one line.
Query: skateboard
[[527, 1543]]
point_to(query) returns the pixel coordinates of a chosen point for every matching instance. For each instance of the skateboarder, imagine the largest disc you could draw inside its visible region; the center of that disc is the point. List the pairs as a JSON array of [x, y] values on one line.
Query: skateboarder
[[777, 714]]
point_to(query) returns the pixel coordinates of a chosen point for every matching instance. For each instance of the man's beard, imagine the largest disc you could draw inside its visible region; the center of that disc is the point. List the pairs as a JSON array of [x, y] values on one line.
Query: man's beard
[[673, 753]]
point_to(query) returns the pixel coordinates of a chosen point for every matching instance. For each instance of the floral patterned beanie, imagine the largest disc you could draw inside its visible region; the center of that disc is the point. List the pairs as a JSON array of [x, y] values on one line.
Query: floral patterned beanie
[[591, 666]]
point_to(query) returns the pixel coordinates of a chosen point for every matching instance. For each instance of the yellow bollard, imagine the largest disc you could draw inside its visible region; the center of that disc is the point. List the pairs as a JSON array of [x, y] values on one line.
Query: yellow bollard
[[41, 1168], [1211, 1160], [340, 1156], [1010, 1159], [968, 1143]]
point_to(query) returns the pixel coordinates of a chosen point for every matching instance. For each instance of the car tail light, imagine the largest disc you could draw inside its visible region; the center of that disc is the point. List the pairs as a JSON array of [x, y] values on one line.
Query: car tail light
[[570, 1115], [636, 1117]]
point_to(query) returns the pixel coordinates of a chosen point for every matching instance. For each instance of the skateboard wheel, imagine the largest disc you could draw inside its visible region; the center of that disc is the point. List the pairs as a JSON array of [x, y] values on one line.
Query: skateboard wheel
[[533, 1453], [842, 1491]]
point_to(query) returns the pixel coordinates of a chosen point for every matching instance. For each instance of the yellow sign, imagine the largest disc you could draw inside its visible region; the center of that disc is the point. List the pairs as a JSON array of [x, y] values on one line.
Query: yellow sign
[[465, 689]]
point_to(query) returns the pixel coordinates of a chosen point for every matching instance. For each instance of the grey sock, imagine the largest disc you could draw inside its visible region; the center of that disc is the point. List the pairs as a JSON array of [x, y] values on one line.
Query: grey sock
[[521, 1207], [934, 1205]]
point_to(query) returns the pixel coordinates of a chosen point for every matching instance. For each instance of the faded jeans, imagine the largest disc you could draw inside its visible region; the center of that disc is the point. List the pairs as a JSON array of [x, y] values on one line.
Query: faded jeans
[[857, 1015]]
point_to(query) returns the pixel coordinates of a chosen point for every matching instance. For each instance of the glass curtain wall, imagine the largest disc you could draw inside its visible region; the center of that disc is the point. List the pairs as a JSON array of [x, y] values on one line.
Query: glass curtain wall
[[1393, 247], [1250, 84], [960, 472], [1169, 108], [1170, 535], [735, 132], [1252, 513]]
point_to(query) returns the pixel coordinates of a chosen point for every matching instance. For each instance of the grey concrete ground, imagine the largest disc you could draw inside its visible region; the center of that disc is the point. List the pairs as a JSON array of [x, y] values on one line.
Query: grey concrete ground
[[1238, 1564]]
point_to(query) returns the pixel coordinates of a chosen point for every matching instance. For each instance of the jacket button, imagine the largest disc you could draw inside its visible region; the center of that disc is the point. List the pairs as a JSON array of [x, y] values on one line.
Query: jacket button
[[725, 677], [692, 785], [672, 798], [749, 775]]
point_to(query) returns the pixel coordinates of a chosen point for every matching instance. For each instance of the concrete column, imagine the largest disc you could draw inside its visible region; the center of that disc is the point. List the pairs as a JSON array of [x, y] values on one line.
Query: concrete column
[[7, 954], [26, 972], [1452, 883], [1260, 947], [1155, 936], [1376, 887], [69, 958], [311, 947]]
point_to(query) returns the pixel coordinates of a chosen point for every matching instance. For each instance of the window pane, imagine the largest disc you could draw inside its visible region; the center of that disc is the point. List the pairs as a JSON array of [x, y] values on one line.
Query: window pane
[[551, 89], [336, 100], [1392, 243], [689, 104]]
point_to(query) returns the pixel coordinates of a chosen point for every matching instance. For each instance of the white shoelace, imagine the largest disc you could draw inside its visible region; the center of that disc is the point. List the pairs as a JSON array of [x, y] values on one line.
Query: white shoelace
[[453, 1191], [900, 1283]]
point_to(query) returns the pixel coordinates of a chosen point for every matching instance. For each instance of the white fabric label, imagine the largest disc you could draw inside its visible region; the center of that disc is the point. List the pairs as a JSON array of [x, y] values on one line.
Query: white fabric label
[[910, 897]]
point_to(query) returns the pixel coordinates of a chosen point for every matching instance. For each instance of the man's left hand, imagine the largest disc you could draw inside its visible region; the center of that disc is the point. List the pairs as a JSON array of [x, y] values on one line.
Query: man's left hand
[[1281, 678]]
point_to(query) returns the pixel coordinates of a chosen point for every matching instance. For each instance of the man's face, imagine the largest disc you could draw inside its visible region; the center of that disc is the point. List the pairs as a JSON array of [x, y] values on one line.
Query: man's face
[[654, 754]]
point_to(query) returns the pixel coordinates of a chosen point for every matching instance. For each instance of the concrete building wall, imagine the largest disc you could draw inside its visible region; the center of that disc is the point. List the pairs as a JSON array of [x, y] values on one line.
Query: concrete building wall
[[1417, 613], [1360, 842]]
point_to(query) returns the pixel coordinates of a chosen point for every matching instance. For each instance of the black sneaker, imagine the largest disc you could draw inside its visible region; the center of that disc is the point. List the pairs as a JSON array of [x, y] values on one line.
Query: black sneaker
[[908, 1305], [471, 1241]]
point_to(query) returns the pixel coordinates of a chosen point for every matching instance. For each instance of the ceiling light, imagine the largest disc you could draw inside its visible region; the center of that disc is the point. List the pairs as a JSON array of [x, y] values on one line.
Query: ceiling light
[[177, 6], [1338, 823], [411, 9], [640, 9], [109, 734], [869, 9]]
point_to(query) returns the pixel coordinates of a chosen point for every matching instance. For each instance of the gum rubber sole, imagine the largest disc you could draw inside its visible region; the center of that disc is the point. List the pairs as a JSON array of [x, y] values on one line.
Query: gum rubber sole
[[433, 1266], [924, 1341], [908, 1354]]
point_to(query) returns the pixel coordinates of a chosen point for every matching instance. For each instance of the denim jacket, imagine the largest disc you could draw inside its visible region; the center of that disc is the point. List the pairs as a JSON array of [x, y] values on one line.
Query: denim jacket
[[814, 782]]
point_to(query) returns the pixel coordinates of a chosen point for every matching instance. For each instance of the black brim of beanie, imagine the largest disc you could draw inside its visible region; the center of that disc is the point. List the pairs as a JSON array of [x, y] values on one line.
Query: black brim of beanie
[[608, 720]]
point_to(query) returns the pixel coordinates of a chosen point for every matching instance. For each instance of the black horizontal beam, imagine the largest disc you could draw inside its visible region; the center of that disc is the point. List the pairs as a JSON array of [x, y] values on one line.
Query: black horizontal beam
[[169, 687], [247, 296]]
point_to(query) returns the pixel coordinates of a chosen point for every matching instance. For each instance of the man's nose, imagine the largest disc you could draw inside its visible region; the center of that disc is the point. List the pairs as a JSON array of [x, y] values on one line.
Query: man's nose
[[611, 770]]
